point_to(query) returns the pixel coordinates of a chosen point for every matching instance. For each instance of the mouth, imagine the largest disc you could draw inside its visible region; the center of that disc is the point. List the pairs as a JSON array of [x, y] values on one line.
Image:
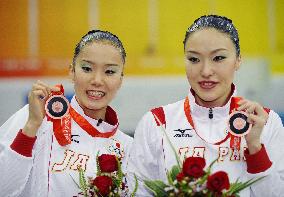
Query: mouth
[[95, 94], [207, 84]]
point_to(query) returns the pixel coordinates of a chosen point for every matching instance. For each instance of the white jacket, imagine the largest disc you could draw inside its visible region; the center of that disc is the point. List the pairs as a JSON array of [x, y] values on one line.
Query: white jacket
[[52, 169], [151, 156]]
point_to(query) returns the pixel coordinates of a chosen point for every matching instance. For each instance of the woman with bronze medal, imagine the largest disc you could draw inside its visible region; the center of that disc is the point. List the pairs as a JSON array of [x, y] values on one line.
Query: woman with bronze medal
[[44, 144], [243, 138]]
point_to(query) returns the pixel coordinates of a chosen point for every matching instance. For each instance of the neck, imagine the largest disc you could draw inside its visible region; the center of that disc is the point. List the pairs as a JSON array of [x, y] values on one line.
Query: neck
[[209, 104], [95, 114]]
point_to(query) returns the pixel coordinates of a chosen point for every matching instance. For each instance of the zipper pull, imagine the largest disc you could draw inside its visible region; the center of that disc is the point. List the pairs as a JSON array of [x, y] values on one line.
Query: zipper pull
[[210, 113]]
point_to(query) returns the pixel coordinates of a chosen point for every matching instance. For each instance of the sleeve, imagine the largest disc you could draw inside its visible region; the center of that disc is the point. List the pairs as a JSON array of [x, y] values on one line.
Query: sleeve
[[273, 182], [145, 160], [15, 159]]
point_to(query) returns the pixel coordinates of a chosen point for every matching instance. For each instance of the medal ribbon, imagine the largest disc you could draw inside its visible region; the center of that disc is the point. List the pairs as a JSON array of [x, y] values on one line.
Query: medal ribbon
[[234, 141], [84, 124], [61, 127]]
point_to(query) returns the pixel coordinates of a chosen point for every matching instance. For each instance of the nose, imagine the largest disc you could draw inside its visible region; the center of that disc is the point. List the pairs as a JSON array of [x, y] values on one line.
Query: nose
[[206, 69], [97, 79]]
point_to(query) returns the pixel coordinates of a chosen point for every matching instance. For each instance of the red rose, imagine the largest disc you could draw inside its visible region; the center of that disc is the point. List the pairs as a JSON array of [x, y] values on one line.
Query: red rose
[[108, 163], [180, 176], [104, 184], [218, 181], [193, 166]]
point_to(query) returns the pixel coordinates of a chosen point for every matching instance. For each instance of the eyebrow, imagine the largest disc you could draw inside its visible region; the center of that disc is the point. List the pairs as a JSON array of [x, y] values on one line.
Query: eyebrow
[[93, 63], [214, 51]]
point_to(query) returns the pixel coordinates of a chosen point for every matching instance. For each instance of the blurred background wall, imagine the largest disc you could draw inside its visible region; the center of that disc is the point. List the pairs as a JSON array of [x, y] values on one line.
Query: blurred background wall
[[37, 40]]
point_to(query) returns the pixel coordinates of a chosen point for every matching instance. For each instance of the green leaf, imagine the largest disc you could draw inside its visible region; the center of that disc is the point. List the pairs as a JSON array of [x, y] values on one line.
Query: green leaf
[[119, 173], [203, 179], [136, 186], [208, 171], [98, 166], [238, 186], [116, 182], [169, 176], [82, 181], [157, 187], [174, 172]]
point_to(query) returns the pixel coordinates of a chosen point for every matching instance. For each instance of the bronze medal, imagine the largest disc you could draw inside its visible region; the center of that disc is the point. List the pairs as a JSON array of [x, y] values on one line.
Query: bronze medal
[[238, 125], [57, 106]]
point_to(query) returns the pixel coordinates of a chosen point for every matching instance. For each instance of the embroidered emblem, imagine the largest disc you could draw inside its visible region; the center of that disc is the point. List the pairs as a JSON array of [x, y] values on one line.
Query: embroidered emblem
[[182, 133], [115, 148]]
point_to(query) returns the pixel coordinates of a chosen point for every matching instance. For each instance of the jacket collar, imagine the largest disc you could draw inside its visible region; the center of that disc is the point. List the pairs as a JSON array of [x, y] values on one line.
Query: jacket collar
[[111, 118]]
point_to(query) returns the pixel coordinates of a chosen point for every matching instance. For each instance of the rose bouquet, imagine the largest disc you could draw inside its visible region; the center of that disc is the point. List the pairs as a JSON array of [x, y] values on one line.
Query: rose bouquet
[[189, 179], [193, 180], [109, 180]]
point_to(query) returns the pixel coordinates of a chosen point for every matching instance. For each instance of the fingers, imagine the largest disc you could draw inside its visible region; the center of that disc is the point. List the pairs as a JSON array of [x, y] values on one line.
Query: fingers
[[244, 105], [38, 94], [252, 119], [256, 113], [250, 107], [260, 111], [40, 89], [43, 90]]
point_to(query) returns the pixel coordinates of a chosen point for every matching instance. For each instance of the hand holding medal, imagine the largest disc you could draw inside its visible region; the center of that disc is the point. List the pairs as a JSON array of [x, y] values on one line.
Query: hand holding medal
[[257, 117], [37, 98], [247, 119]]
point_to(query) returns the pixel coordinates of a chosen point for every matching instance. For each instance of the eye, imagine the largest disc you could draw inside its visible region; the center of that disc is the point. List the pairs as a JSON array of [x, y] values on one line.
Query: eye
[[218, 58], [110, 72], [86, 68], [193, 59]]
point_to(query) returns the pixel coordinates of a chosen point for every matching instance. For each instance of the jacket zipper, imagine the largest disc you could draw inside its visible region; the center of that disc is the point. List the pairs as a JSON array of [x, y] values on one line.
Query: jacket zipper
[[210, 115]]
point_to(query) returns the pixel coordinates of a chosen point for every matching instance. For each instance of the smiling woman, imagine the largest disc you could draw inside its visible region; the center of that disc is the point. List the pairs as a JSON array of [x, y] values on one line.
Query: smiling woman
[[33, 159], [212, 56], [97, 73]]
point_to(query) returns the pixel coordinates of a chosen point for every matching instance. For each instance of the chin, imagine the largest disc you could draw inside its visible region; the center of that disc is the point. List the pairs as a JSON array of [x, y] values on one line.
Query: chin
[[207, 95], [96, 106], [207, 98]]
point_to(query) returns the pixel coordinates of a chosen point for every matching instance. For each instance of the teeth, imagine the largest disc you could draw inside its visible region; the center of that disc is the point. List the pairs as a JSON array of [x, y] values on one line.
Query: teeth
[[207, 83], [96, 93]]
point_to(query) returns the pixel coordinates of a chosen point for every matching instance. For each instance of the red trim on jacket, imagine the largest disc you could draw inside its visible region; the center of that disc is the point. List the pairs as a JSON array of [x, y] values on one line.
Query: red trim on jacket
[[111, 116], [160, 114], [267, 110], [258, 162], [23, 144]]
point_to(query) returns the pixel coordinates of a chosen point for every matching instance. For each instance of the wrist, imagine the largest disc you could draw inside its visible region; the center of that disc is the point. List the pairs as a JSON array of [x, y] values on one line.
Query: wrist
[[30, 129], [254, 147]]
